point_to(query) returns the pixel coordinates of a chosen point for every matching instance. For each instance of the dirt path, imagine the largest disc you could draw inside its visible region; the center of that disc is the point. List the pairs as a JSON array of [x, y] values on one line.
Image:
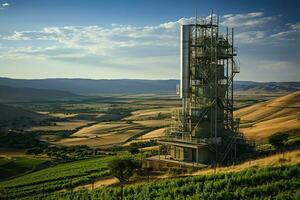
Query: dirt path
[[99, 183]]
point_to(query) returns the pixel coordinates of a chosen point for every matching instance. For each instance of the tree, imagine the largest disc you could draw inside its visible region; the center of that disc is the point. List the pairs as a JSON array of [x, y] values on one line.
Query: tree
[[278, 139], [133, 150], [122, 169], [159, 115]]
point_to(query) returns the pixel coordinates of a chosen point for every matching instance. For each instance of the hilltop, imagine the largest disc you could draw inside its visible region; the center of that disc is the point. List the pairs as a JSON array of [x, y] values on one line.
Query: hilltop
[[261, 120]]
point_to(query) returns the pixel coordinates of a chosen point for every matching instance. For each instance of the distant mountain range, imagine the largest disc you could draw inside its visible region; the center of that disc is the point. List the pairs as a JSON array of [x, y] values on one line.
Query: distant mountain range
[[8, 93], [266, 86], [92, 87], [69, 87]]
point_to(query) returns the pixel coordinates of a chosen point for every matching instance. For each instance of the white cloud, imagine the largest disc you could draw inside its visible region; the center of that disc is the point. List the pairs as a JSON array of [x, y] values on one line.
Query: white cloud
[[116, 45], [103, 40], [292, 34], [276, 65], [295, 26], [253, 19], [4, 5], [175, 25], [265, 69], [121, 47], [250, 36], [16, 36]]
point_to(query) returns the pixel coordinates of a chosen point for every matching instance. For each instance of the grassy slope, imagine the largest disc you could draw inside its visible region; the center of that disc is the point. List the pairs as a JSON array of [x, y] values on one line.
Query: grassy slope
[[292, 157], [270, 183], [82, 172], [56, 178], [261, 120], [12, 113], [17, 166]]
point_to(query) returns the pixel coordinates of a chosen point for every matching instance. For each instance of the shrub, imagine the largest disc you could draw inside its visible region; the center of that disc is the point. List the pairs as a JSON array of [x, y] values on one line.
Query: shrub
[[278, 139], [133, 150], [123, 168]]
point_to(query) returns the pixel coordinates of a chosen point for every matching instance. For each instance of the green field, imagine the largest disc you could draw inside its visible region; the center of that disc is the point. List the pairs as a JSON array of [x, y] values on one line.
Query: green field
[[106, 122], [61, 176], [17, 166], [269, 183]]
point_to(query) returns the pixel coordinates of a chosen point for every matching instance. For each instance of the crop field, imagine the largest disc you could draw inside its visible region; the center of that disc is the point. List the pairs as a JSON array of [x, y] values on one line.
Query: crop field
[[153, 134], [61, 176], [80, 174], [149, 114], [140, 119], [103, 124], [59, 115], [268, 183], [291, 157], [17, 166], [143, 100], [143, 118], [61, 126], [261, 120], [98, 123], [101, 141]]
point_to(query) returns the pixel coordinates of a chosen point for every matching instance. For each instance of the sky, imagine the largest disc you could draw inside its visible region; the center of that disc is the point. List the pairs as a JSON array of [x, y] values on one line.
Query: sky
[[139, 39]]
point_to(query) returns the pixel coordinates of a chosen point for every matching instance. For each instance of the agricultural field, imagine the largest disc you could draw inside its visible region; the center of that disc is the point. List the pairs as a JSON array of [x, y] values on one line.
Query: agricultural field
[[94, 173], [276, 182], [106, 122], [61, 126], [16, 166], [261, 120], [103, 134], [75, 142], [102, 122], [61, 176], [98, 123], [146, 100]]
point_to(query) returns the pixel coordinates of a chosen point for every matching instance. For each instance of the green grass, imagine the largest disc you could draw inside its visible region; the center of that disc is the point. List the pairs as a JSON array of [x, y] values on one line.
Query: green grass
[[269, 183], [17, 166], [28, 162], [265, 147], [55, 178], [293, 141]]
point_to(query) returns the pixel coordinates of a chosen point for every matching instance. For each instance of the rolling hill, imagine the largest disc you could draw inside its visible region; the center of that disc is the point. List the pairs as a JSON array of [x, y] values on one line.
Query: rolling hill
[[13, 113], [250, 86], [102, 86], [261, 120], [135, 86], [8, 93]]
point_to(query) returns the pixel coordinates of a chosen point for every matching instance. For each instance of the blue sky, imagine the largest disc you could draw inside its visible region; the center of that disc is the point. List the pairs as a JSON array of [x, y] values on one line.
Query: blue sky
[[140, 39]]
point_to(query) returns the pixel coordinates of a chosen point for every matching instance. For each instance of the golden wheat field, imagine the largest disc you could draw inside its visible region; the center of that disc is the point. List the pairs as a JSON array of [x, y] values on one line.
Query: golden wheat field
[[62, 126], [261, 120], [291, 157]]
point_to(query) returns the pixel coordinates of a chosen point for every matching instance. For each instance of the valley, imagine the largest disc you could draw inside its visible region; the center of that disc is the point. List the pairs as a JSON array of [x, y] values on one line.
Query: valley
[[75, 140]]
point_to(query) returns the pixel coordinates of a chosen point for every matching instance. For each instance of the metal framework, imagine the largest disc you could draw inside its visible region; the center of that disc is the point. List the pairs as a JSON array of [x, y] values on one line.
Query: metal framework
[[208, 67]]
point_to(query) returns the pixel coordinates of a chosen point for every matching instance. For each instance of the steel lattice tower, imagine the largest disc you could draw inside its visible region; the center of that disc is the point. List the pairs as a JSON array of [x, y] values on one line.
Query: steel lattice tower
[[204, 130]]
